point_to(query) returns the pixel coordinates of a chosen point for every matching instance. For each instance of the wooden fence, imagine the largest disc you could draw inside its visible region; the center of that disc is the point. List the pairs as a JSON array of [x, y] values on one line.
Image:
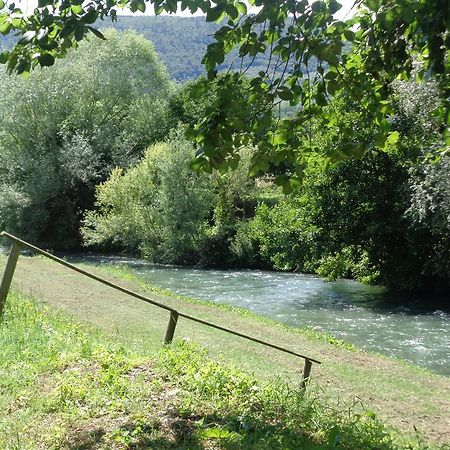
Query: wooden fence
[[18, 244]]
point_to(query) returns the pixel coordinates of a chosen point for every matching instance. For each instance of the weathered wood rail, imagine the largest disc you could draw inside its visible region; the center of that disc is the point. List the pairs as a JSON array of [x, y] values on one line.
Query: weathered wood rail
[[18, 244]]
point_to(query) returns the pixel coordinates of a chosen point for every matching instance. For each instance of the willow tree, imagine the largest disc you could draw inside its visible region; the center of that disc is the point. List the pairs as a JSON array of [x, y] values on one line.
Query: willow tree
[[62, 131], [312, 57]]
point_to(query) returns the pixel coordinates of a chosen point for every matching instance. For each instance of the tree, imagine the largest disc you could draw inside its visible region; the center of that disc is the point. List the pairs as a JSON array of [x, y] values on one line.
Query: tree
[[318, 55], [63, 130]]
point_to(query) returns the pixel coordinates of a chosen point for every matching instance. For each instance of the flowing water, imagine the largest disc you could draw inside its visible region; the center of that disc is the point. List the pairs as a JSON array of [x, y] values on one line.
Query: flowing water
[[366, 316]]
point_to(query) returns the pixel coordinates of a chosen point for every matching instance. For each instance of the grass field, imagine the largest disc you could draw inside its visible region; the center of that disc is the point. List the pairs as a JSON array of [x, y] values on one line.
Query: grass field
[[348, 381]]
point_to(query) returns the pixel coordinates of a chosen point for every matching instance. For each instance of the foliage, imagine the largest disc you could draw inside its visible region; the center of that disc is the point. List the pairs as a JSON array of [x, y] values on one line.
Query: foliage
[[381, 219], [430, 214], [63, 130], [377, 219], [74, 386], [159, 207], [163, 210], [384, 38]]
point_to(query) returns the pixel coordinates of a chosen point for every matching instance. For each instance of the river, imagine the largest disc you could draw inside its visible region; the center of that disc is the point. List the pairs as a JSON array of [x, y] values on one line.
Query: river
[[366, 316]]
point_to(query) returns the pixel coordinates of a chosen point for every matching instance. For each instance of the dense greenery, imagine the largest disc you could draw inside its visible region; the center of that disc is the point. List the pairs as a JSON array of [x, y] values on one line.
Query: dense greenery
[[162, 209], [63, 130], [381, 219], [359, 57], [369, 218]]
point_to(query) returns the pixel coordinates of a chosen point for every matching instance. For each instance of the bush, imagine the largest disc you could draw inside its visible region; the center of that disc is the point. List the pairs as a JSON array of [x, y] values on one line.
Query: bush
[[157, 208]]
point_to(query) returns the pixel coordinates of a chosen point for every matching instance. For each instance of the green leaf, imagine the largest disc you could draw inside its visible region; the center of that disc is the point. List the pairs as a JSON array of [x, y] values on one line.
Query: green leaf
[[241, 7], [46, 59], [253, 170], [190, 133], [5, 27], [215, 14], [232, 11], [137, 5], [393, 138], [171, 6], [279, 137], [90, 16], [287, 188], [97, 33], [218, 433], [197, 91], [285, 93], [380, 140], [79, 32], [349, 35], [333, 86], [76, 9], [281, 180], [334, 6], [4, 57]]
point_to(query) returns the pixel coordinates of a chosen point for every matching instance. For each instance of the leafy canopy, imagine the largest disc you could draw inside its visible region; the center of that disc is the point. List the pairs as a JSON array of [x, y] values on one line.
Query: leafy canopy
[[312, 57]]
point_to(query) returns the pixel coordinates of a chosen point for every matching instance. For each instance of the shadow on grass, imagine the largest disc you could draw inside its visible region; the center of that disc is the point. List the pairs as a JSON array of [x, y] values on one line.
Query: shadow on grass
[[193, 433]]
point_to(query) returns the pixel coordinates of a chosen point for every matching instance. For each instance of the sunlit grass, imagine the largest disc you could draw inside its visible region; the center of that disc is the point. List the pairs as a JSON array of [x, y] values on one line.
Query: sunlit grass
[[69, 385]]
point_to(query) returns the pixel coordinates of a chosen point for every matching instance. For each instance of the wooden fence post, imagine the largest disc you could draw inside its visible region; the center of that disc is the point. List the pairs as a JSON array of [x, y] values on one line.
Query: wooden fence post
[[8, 274], [171, 327], [306, 373]]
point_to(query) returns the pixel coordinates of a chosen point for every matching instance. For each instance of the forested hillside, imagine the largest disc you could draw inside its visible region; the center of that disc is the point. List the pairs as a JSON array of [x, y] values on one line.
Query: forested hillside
[[180, 42]]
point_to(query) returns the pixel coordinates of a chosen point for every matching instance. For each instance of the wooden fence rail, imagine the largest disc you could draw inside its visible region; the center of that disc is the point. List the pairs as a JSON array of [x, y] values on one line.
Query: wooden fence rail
[[18, 244]]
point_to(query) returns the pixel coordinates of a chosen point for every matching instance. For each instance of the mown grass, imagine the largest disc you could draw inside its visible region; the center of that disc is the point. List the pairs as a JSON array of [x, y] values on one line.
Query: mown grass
[[66, 385], [125, 273]]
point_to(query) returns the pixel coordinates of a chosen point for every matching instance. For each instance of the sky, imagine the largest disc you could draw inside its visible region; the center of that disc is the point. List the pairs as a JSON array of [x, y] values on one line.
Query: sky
[[29, 5]]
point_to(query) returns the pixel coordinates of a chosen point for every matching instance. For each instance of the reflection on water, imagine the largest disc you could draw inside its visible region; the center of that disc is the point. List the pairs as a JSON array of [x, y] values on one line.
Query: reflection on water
[[364, 315]]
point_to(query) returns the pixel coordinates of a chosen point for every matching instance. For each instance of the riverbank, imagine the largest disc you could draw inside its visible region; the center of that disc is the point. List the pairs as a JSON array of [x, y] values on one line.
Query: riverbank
[[401, 395], [68, 385]]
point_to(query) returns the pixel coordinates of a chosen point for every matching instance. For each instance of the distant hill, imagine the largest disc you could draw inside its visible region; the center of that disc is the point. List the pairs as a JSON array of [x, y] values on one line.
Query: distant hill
[[180, 42]]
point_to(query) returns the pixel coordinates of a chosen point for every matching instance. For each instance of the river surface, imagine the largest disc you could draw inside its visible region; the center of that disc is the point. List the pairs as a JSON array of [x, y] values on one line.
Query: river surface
[[366, 316]]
